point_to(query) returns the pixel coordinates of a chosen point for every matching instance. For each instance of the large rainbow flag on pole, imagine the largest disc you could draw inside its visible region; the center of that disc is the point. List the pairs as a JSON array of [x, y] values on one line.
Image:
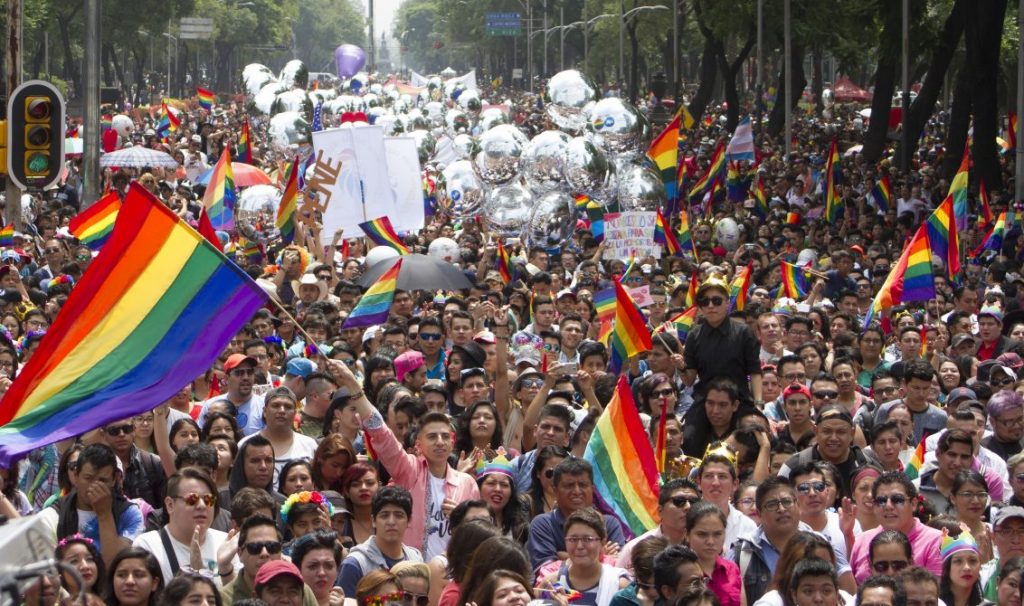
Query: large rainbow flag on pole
[[375, 305], [219, 199], [243, 151], [205, 98], [663, 153], [289, 205], [154, 310], [909, 280], [625, 469], [94, 225], [630, 336], [943, 238]]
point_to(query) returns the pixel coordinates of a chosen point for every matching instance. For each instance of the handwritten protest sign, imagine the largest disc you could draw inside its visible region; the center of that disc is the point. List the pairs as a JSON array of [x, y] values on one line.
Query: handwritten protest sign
[[628, 232]]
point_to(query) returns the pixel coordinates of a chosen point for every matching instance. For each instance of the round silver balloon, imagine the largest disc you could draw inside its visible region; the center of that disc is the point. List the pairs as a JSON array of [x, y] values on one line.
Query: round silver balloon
[[728, 233], [470, 101], [500, 155], [445, 249], [255, 76], [552, 220], [295, 74], [544, 160], [124, 126], [426, 145], [294, 100], [506, 209], [618, 125], [264, 100], [828, 98], [565, 96], [464, 192], [287, 131], [456, 121], [465, 146], [639, 188], [586, 169], [491, 117], [257, 202]]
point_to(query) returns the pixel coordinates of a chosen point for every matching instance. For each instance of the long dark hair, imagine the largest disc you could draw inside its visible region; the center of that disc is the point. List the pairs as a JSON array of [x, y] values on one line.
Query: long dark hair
[[179, 587], [536, 490], [101, 570], [946, 587], [515, 517], [152, 566], [463, 439]]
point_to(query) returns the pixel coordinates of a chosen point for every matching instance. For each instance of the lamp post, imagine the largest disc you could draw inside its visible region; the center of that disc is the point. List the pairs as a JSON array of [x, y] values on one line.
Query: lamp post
[[624, 18], [788, 59], [170, 37]]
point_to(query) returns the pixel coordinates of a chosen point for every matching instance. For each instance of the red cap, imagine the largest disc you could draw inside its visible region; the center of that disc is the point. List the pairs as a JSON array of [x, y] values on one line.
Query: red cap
[[275, 568], [234, 360], [793, 388]]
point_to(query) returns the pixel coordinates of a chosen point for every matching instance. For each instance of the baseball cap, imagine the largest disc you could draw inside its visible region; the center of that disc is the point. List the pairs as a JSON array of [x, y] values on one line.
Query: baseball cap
[[337, 501], [300, 367], [528, 354], [196, 139], [962, 337], [408, 362], [961, 393], [565, 293], [275, 568], [1008, 513], [796, 388], [280, 392], [1012, 360], [236, 360]]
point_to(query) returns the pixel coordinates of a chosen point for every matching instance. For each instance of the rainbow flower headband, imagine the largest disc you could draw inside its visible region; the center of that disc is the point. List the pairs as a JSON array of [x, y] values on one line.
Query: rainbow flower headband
[[305, 496]]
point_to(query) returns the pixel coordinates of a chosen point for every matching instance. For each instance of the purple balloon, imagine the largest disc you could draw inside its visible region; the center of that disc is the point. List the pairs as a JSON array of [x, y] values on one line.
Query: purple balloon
[[348, 60]]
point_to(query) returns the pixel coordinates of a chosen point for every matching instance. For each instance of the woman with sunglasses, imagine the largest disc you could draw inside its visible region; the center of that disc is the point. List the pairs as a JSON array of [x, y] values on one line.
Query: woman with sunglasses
[[317, 555], [656, 395], [889, 553], [415, 580], [542, 489], [969, 496]]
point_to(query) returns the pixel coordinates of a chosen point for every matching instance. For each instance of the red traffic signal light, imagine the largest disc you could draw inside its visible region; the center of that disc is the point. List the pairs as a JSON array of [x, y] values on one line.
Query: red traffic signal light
[[38, 109]]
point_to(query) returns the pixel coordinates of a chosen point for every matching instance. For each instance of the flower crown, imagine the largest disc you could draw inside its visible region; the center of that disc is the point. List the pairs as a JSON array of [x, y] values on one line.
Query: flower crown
[[305, 496], [75, 538]]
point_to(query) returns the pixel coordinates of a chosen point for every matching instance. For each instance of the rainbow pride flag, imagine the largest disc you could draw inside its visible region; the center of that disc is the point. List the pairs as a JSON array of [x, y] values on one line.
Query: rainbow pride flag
[[604, 303], [157, 306], [383, 234], [375, 305], [943, 238], [220, 197], [1011, 130], [881, 193], [206, 98], [793, 218], [625, 470], [681, 323], [738, 290], [833, 177], [685, 237], [630, 336], [94, 225], [243, 151], [909, 280], [691, 292], [760, 196], [7, 235], [664, 154], [289, 205], [994, 238], [794, 282], [173, 120], [958, 191], [985, 217], [663, 235], [503, 263], [715, 171], [916, 462]]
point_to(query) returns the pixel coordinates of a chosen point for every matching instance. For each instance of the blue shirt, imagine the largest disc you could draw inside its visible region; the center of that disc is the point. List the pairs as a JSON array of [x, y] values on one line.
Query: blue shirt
[[522, 466], [250, 413], [435, 372], [547, 536]]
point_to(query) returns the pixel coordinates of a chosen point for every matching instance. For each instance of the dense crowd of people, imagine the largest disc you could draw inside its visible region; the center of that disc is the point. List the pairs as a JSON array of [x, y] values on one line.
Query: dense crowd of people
[[437, 458]]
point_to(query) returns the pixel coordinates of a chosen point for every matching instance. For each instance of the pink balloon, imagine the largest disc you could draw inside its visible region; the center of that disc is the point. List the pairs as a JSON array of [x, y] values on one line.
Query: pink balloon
[[348, 60]]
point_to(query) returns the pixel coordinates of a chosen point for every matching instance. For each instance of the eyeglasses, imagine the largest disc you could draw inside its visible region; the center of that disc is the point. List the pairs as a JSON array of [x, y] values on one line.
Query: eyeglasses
[[257, 547], [826, 394], [683, 500], [897, 500], [664, 393], [533, 382], [419, 599], [53, 251], [585, 540], [747, 501], [192, 499], [1015, 422], [1011, 532], [973, 496], [893, 565], [778, 504], [795, 377], [706, 301], [1001, 383], [807, 487], [117, 430], [430, 336]]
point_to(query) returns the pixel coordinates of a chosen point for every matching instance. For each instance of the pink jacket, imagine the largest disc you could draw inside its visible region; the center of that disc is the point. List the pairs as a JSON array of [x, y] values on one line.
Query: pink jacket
[[413, 473]]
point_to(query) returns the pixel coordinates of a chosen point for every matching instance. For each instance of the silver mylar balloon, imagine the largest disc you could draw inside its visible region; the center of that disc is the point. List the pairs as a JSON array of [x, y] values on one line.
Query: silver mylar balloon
[[417, 121], [295, 74], [618, 125], [640, 188], [464, 145], [469, 100], [257, 200], [435, 112], [491, 117], [586, 169], [506, 209], [294, 100], [465, 193], [288, 129], [264, 100], [456, 121], [255, 76], [426, 145], [565, 96], [551, 220], [500, 155], [371, 100], [544, 160]]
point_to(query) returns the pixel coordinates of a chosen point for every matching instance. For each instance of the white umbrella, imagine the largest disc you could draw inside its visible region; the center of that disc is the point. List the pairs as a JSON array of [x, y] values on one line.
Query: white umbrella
[[856, 149], [138, 157]]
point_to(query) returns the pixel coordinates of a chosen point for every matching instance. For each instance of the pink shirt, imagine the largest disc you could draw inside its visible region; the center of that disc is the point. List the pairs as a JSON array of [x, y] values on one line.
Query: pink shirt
[[449, 595], [726, 582], [925, 543]]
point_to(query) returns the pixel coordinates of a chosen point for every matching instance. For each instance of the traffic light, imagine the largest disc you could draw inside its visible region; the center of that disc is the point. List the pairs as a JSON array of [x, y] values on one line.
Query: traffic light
[[35, 135]]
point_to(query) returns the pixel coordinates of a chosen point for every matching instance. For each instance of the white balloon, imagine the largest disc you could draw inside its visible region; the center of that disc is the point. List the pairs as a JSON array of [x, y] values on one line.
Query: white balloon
[[124, 125], [445, 249], [378, 254]]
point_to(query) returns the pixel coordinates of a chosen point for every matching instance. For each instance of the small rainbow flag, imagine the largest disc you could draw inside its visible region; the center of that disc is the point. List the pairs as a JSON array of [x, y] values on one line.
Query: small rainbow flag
[[220, 197], [173, 120], [685, 237], [206, 98], [994, 238], [943, 237], [738, 290], [106, 122], [375, 305], [691, 292], [881, 193], [793, 218], [909, 280], [1011, 130], [243, 151], [794, 282], [7, 235], [663, 153], [625, 470], [289, 205], [833, 177], [924, 341], [985, 218], [581, 201], [663, 235], [604, 303], [630, 336], [251, 251], [381, 232], [760, 196], [503, 263], [715, 171], [681, 323], [916, 462], [93, 225]]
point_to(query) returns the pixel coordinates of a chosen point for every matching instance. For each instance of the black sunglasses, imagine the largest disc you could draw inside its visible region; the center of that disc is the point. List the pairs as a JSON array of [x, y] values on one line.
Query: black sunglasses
[[705, 301], [257, 547], [117, 430]]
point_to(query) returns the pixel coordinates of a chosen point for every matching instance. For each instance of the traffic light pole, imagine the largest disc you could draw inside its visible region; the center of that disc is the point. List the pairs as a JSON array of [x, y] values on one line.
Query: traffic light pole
[[91, 105], [12, 64]]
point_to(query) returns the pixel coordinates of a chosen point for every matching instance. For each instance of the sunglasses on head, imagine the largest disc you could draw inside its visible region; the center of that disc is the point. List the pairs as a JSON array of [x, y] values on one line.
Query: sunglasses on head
[[257, 547], [706, 301]]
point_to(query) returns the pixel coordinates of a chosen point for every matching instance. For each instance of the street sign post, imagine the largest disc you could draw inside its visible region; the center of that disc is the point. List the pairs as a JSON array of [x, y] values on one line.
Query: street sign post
[[195, 28], [504, 24]]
